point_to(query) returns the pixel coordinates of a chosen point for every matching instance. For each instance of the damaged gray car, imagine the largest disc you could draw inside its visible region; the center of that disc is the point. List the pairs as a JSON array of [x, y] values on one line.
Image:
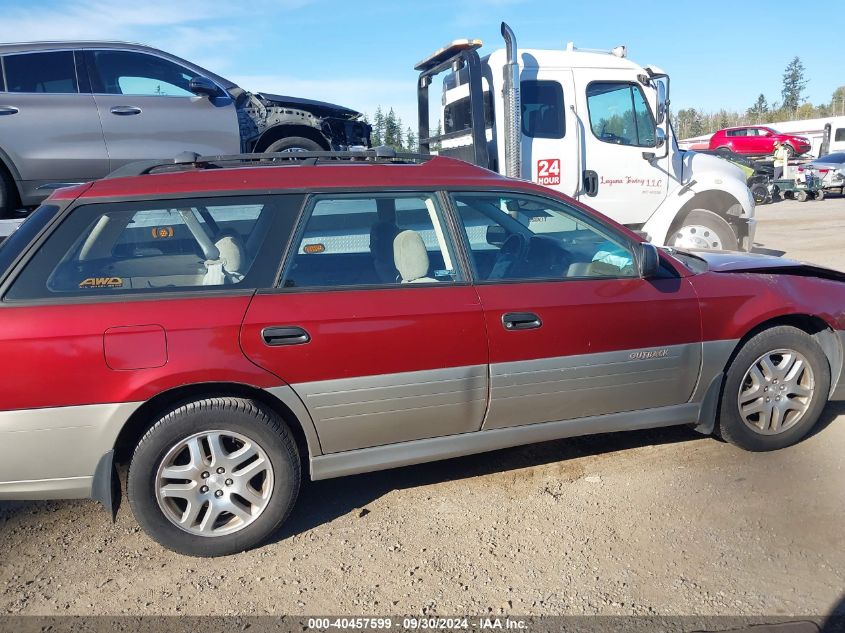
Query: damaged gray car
[[74, 111]]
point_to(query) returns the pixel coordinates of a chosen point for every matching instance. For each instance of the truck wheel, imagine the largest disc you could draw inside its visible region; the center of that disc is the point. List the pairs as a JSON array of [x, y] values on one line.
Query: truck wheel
[[775, 390], [214, 477], [295, 144], [703, 229]]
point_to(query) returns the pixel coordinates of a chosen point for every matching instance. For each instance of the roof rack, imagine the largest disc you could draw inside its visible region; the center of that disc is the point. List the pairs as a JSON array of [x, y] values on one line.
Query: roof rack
[[191, 160]]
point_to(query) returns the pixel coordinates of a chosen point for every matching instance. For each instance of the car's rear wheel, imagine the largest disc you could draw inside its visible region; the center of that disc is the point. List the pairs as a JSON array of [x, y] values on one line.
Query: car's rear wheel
[[214, 477], [775, 390], [703, 229]]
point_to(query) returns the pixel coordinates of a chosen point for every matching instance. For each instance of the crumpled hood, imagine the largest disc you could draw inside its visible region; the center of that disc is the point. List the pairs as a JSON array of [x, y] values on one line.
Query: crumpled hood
[[320, 108], [736, 262]]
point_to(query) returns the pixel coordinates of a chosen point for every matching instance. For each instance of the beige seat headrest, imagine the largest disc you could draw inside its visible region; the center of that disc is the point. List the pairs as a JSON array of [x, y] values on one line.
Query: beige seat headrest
[[410, 257], [231, 253]]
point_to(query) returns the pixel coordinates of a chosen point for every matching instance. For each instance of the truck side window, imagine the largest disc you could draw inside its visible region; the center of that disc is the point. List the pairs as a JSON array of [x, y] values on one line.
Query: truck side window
[[619, 114], [542, 109]]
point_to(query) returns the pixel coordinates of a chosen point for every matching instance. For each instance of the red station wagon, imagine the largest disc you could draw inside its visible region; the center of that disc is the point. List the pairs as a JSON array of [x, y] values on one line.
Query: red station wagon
[[757, 141], [224, 324]]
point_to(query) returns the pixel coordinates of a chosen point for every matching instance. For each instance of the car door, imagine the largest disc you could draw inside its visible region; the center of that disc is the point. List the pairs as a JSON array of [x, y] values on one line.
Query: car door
[[619, 128], [765, 141], [49, 127], [148, 112], [573, 330], [374, 324]]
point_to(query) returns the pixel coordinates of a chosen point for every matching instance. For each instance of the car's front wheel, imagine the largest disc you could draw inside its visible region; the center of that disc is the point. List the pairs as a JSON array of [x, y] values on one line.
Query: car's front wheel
[[775, 390], [214, 477]]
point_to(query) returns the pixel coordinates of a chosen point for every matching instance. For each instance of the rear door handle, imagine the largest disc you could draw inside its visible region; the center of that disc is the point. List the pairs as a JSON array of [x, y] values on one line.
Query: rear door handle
[[285, 335], [4, 110], [521, 321], [125, 110]]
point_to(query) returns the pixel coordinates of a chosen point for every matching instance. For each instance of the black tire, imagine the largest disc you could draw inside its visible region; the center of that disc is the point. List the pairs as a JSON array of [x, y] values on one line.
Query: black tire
[[761, 193], [724, 150], [245, 417], [8, 194], [731, 425], [711, 222], [295, 144]]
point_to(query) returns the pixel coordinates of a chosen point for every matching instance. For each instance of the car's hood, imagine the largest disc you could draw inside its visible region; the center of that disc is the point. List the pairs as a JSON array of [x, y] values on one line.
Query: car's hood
[[320, 108], [735, 262]]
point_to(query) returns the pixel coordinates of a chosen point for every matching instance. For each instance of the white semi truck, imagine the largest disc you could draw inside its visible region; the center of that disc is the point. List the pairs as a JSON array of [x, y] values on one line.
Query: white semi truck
[[593, 125]]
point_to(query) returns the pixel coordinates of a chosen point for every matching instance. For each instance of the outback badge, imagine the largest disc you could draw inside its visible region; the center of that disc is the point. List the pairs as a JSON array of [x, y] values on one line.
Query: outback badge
[[645, 355]]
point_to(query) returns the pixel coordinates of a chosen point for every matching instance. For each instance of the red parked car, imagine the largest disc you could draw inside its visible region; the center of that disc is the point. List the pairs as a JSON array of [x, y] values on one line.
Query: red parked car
[[757, 140], [225, 326]]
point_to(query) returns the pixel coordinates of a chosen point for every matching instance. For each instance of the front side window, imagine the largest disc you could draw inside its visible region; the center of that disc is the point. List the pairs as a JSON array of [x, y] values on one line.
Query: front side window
[[49, 72], [102, 249], [369, 240], [131, 73], [542, 109], [619, 114], [513, 237]]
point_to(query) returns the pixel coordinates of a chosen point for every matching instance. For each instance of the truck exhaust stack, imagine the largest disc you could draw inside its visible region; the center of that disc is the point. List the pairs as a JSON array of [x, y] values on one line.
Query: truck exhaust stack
[[513, 107]]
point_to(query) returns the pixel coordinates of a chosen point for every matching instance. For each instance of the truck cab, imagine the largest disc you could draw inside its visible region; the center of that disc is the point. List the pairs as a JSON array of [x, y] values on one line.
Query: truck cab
[[591, 124]]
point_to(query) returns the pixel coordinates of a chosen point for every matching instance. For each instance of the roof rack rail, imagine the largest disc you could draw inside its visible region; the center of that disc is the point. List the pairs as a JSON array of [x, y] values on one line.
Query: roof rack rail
[[191, 160]]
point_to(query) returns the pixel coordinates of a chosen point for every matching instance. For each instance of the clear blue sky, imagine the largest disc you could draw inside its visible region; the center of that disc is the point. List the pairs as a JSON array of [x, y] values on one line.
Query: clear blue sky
[[362, 53]]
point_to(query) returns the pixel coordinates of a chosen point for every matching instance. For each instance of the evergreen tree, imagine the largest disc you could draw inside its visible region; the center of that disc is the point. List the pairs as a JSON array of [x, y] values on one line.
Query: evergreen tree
[[378, 128], [392, 133], [411, 140], [794, 84], [759, 108], [837, 102], [437, 145]]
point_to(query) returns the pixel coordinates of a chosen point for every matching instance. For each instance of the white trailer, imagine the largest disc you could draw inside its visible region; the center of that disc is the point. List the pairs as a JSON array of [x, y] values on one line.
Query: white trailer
[[593, 125]]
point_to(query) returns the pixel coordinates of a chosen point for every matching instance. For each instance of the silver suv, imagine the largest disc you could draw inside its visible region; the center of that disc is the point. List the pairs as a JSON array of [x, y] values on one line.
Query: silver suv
[[74, 111]]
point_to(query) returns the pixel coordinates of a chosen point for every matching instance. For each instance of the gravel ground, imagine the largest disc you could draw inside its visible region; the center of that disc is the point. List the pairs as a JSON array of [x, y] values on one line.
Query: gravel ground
[[656, 522]]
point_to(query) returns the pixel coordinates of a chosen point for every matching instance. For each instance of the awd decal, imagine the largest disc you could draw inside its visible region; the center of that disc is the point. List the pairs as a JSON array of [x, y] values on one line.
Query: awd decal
[[655, 353], [102, 282]]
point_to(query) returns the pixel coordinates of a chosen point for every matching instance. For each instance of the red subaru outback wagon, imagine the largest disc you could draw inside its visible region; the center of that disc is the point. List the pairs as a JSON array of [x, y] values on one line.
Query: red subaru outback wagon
[[224, 324]]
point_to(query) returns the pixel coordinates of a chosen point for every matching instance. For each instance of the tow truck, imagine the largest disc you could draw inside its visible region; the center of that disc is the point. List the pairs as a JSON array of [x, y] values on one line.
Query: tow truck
[[591, 124]]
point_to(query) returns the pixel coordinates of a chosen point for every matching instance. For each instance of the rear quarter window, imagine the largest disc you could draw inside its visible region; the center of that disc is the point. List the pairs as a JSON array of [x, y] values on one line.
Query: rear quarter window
[[164, 246]]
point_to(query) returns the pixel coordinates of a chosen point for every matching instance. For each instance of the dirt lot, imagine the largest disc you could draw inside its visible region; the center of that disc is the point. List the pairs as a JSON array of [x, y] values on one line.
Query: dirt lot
[[658, 522]]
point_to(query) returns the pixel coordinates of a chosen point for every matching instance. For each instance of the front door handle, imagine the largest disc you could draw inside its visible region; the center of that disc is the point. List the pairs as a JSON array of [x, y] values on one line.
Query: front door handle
[[285, 335], [5, 110], [521, 321], [125, 110]]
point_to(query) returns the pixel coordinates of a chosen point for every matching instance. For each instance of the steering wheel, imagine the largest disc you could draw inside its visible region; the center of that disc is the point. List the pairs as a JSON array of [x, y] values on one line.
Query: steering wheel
[[513, 250]]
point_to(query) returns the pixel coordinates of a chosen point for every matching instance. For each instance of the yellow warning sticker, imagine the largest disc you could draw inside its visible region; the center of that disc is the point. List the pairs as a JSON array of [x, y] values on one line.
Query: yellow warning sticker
[[101, 282]]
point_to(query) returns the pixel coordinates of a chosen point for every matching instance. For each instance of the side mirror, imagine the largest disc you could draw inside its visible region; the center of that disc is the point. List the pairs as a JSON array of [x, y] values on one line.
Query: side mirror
[[661, 102], [649, 260], [496, 235], [203, 87], [659, 137]]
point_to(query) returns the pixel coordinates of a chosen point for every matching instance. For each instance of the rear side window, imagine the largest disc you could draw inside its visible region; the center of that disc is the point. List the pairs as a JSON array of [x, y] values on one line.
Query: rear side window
[[213, 243], [372, 240], [619, 114], [542, 109], [49, 72], [742, 132]]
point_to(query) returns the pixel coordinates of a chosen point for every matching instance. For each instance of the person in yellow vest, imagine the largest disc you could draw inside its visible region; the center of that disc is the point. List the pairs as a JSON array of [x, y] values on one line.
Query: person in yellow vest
[[781, 159]]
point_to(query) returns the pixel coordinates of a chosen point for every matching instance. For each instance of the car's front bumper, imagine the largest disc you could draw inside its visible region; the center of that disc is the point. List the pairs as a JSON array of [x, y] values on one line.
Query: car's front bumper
[[838, 382]]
